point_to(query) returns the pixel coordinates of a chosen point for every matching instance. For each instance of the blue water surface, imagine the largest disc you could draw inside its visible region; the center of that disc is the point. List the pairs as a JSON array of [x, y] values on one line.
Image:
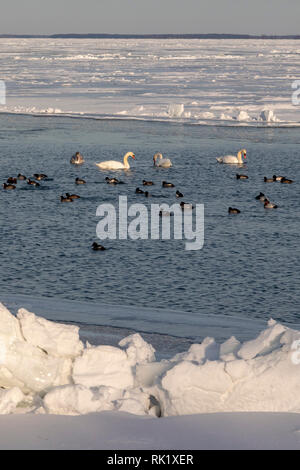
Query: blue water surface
[[249, 265]]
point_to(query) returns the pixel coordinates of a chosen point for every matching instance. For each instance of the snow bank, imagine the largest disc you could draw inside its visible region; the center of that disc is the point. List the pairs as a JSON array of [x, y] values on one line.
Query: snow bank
[[45, 368]]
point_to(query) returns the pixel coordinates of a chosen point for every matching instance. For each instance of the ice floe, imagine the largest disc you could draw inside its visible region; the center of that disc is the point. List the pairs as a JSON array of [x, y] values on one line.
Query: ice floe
[[46, 369]]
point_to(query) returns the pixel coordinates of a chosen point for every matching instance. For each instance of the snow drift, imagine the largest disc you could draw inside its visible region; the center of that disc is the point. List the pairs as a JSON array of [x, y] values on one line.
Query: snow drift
[[45, 368]]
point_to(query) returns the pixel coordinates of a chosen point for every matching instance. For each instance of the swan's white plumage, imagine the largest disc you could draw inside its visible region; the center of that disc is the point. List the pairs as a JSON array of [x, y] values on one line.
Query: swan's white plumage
[[161, 162], [115, 165], [231, 159]]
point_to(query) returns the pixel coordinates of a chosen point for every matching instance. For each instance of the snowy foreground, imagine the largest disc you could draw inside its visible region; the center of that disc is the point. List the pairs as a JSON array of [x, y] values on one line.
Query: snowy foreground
[[45, 369]]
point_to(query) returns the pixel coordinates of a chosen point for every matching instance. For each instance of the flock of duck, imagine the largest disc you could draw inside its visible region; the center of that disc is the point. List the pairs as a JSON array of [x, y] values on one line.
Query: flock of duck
[[238, 160], [158, 161]]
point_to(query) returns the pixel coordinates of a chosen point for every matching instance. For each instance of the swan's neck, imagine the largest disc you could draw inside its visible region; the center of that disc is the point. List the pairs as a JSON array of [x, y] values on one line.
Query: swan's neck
[[239, 157], [125, 159]]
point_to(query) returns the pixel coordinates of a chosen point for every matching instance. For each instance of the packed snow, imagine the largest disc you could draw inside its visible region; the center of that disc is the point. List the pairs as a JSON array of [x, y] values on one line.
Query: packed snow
[[46, 369], [232, 82]]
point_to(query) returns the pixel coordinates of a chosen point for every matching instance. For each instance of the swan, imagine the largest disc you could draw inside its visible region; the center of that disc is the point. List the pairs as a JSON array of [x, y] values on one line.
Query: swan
[[114, 165], [163, 162], [231, 159]]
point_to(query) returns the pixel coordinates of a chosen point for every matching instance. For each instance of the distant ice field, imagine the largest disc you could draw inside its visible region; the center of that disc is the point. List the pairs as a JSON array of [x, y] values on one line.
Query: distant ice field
[[233, 82]]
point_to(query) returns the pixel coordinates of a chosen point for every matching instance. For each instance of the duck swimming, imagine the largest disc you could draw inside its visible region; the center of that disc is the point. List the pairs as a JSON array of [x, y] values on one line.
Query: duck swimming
[[179, 194], [242, 177], [233, 210], [112, 180], [11, 180], [269, 180], [165, 184], [80, 181], [21, 177], [231, 159], [269, 205], [186, 206], [39, 176], [32, 183], [8, 186], [65, 199], [139, 191], [77, 159], [162, 162], [97, 247], [72, 196], [261, 197], [115, 165], [148, 183]]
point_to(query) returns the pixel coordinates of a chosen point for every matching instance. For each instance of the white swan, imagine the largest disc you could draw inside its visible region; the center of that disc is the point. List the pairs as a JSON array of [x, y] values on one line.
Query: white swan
[[163, 162], [114, 165], [232, 159]]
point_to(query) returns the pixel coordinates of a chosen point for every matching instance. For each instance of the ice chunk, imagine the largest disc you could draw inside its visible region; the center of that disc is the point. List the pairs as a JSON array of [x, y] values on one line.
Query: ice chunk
[[9, 399], [268, 115], [103, 365], [35, 368], [175, 110], [77, 399], [55, 338], [134, 401], [266, 341], [243, 116]]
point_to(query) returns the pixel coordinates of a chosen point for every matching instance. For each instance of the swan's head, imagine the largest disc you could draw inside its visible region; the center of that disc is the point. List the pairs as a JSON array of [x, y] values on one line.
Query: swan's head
[[130, 154], [156, 156], [244, 153]]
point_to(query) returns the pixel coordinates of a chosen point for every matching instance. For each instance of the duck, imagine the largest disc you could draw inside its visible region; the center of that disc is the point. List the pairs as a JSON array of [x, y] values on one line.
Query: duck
[[72, 196], [77, 159], [231, 159], [115, 165], [21, 177], [112, 180], [139, 191], [277, 178], [8, 186], [162, 162], [269, 205], [11, 180], [32, 183], [80, 181], [165, 213], [65, 199], [97, 247], [269, 180], [186, 206], [233, 210], [179, 194], [241, 177], [148, 183], [261, 197], [165, 184], [286, 181]]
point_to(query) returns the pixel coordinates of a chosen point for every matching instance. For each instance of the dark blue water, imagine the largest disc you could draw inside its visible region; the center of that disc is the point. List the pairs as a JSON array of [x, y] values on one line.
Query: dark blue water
[[249, 265]]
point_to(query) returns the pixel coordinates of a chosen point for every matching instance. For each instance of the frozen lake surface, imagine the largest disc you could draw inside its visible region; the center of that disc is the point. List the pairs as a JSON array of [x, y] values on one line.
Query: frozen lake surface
[[198, 81]]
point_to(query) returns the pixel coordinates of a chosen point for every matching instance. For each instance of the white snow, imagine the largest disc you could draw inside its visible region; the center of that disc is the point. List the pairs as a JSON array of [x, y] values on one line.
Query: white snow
[[174, 79], [47, 363], [45, 369]]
